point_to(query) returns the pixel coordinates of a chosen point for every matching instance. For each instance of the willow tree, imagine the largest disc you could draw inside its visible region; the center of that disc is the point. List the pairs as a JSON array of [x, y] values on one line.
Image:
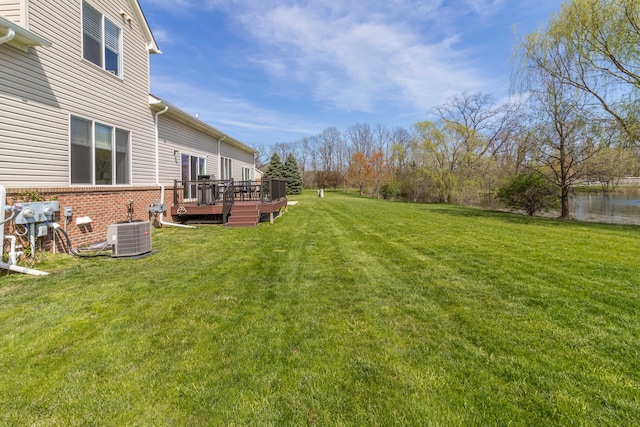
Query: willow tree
[[593, 46], [439, 150], [481, 130]]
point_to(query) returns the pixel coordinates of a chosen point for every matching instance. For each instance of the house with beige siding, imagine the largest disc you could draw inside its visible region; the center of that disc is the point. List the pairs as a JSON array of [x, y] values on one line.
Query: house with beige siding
[[78, 123]]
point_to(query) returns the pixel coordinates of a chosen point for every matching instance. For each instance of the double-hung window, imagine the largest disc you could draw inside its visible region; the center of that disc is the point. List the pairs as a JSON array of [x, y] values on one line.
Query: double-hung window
[[192, 166], [101, 40], [100, 154]]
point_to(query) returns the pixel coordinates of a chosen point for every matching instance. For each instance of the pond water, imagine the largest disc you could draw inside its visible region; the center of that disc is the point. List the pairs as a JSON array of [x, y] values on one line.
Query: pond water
[[613, 208]]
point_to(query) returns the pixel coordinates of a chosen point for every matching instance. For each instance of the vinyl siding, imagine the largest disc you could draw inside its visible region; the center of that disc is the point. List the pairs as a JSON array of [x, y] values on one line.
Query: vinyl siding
[[175, 135], [12, 10], [47, 85], [33, 144], [240, 158]]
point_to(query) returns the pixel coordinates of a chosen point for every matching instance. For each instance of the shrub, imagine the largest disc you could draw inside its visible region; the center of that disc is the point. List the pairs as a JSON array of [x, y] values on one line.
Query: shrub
[[531, 192], [388, 191]]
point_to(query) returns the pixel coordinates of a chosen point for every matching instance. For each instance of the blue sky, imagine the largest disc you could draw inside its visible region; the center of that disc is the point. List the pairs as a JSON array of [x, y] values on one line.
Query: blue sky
[[271, 71]]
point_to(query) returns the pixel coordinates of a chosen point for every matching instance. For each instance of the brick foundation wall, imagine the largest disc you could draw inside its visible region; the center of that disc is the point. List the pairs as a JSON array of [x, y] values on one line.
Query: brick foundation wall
[[104, 205]]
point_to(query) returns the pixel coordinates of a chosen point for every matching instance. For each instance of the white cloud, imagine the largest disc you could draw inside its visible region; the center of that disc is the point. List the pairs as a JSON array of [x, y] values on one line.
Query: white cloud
[[176, 6], [356, 60], [236, 116], [395, 57], [484, 7]]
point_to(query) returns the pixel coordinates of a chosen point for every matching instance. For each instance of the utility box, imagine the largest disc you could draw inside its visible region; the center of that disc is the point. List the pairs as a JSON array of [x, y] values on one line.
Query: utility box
[[130, 238], [42, 230], [35, 212]]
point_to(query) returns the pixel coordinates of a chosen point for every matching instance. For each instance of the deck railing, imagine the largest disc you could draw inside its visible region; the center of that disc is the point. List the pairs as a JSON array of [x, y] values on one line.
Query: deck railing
[[227, 201], [200, 191], [212, 191], [273, 189], [246, 190]]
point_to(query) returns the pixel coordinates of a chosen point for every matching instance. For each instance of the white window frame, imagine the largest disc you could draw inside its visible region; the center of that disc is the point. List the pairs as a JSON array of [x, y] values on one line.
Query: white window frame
[[246, 174], [92, 147], [226, 168], [103, 45]]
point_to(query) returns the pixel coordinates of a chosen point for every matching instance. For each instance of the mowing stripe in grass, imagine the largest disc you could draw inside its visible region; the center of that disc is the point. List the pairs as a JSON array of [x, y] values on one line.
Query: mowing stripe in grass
[[345, 311]]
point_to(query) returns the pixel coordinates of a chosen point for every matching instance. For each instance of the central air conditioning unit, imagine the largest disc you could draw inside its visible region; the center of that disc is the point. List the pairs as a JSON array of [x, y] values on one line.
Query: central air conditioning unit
[[130, 238]]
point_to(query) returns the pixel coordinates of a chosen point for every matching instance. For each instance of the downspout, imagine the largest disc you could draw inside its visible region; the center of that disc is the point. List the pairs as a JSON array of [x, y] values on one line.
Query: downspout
[[162, 222], [8, 37], [220, 157]]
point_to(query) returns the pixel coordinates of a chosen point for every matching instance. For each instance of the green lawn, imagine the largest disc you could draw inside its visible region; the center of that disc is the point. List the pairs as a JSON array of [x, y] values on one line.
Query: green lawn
[[345, 311]]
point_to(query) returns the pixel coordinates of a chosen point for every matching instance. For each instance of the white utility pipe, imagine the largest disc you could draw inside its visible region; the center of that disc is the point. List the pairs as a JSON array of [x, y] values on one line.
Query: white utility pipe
[[31, 271], [32, 240], [24, 270], [8, 37], [162, 222], [13, 255]]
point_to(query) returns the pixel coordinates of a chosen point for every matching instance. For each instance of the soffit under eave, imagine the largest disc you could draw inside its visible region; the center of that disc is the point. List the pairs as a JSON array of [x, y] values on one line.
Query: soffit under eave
[[176, 113]]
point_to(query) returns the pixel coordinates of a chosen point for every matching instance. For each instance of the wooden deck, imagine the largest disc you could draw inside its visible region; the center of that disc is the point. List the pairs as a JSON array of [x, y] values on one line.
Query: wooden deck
[[194, 213], [234, 203]]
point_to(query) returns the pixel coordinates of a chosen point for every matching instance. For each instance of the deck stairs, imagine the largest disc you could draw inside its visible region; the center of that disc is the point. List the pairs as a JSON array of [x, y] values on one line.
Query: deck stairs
[[244, 215]]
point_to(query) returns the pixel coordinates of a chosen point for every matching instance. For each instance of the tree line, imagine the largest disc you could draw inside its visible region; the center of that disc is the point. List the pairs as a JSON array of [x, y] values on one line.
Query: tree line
[[576, 119]]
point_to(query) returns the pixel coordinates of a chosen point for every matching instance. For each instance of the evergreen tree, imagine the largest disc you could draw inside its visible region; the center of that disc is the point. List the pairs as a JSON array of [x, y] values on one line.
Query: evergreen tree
[[292, 175], [275, 169]]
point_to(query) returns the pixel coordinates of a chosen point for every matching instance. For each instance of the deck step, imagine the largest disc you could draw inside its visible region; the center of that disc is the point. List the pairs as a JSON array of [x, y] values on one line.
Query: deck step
[[244, 215]]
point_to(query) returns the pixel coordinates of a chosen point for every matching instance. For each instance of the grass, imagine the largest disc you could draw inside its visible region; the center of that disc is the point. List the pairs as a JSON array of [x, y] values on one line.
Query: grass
[[345, 311]]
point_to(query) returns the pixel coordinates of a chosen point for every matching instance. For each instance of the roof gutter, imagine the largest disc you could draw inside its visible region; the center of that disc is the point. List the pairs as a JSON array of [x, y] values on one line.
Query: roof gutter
[[196, 123], [8, 37]]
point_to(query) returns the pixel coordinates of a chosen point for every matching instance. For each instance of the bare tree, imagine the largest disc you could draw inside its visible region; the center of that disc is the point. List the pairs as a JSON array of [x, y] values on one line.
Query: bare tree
[[564, 132], [483, 126], [283, 148], [382, 139], [262, 157], [330, 172], [399, 150], [361, 139]]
